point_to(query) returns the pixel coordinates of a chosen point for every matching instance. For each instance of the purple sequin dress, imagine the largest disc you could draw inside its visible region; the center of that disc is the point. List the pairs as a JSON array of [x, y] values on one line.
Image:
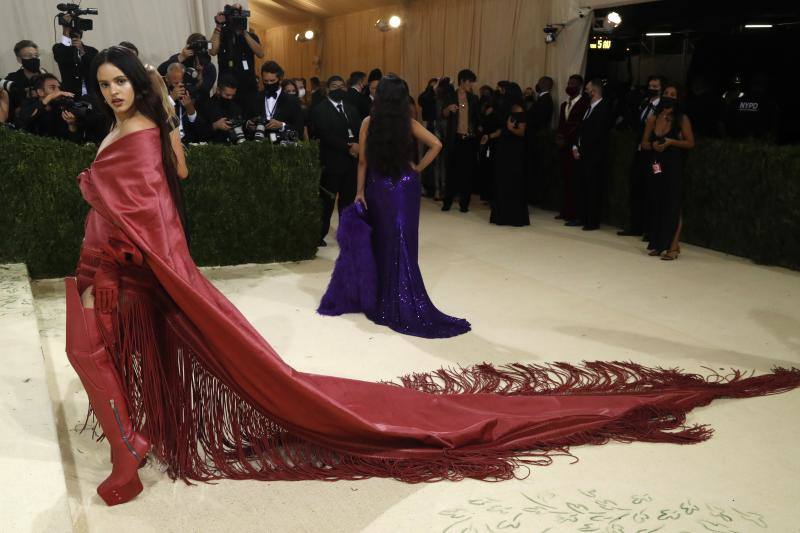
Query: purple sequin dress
[[376, 272]]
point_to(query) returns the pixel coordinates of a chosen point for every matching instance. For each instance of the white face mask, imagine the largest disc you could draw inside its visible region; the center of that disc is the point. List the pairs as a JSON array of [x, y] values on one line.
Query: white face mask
[[301, 92]]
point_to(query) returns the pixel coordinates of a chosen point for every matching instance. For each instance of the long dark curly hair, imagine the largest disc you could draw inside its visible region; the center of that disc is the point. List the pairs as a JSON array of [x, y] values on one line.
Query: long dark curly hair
[[148, 102], [390, 145]]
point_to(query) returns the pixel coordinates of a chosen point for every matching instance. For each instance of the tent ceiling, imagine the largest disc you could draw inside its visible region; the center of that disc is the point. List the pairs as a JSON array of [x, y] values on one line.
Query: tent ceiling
[[282, 12]]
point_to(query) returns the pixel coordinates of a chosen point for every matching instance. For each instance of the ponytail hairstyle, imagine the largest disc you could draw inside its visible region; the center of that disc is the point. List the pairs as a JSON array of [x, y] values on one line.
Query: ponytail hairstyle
[[161, 89], [149, 91]]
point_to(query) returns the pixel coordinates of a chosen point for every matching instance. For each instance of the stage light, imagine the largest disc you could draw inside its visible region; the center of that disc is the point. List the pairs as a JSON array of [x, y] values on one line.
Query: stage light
[[305, 36], [758, 25], [395, 21], [297, 37], [613, 19], [658, 34], [309, 35], [550, 33], [392, 23]]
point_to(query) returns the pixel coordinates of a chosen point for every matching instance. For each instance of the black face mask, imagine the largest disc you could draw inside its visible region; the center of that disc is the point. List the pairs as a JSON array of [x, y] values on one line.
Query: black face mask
[[667, 102], [271, 89], [31, 65], [337, 95], [652, 93]]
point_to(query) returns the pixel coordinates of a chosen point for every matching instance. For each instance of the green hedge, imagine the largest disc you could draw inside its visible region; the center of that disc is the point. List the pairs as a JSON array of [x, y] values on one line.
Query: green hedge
[[248, 203], [739, 197]]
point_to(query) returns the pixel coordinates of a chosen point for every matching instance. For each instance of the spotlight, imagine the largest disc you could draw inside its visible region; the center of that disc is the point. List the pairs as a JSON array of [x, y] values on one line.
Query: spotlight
[[395, 21], [614, 19], [305, 36]]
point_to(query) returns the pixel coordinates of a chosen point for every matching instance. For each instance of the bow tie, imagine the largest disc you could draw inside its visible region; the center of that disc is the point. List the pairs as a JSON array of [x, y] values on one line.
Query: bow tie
[[271, 92]]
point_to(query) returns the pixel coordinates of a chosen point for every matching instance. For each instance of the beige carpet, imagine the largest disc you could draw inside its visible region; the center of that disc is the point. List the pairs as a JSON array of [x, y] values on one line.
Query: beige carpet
[[543, 293]]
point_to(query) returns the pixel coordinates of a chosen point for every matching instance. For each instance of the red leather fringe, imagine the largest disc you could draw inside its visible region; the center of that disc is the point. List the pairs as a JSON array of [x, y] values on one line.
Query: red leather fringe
[[203, 430]]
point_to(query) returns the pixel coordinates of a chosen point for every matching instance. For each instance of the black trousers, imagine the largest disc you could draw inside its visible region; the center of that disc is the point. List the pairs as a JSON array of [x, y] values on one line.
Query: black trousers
[[639, 183], [591, 183], [341, 185], [461, 165]]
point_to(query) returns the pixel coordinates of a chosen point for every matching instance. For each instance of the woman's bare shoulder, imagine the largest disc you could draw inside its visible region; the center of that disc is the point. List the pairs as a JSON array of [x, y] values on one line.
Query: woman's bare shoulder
[[137, 123]]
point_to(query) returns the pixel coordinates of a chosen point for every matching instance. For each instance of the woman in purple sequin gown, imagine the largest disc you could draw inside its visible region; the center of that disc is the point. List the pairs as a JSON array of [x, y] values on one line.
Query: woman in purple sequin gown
[[377, 271]]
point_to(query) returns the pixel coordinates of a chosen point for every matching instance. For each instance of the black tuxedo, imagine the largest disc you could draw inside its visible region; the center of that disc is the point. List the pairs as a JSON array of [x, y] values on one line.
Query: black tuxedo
[[287, 110], [593, 146], [335, 130], [360, 101]]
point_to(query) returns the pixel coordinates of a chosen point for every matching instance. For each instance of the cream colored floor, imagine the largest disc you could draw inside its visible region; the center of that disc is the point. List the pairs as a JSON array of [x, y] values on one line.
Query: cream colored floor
[[543, 293]]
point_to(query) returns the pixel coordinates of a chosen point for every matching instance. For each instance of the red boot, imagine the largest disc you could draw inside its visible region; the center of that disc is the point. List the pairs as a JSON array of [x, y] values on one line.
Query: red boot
[[88, 356]]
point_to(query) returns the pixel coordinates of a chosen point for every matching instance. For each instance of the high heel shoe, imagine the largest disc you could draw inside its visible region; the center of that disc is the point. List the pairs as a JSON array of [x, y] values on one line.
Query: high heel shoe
[[88, 356]]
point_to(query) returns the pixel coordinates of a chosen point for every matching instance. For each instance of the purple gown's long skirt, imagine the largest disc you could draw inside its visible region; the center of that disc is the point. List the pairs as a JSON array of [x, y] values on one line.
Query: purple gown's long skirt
[[376, 272]]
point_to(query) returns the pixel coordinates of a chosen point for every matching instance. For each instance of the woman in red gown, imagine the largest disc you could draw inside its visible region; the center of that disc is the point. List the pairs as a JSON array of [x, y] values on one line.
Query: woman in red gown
[[173, 369]]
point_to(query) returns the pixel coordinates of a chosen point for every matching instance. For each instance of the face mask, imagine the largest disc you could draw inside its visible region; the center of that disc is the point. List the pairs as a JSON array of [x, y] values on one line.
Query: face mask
[[667, 102], [573, 91], [301, 92], [652, 93], [31, 65], [337, 95], [271, 88]]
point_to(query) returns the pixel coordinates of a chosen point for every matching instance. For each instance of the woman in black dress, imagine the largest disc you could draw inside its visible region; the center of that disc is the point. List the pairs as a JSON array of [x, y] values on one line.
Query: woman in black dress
[[509, 204], [667, 134]]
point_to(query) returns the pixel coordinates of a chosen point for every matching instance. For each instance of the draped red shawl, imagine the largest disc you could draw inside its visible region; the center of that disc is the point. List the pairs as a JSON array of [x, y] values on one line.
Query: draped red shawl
[[218, 401]]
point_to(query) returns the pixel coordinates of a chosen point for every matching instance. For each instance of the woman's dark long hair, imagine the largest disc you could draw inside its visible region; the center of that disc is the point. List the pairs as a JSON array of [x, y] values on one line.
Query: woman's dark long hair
[[513, 97], [390, 146], [148, 102]]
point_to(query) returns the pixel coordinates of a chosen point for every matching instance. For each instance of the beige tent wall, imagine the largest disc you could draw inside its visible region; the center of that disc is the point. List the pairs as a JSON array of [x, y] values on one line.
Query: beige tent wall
[[157, 27]]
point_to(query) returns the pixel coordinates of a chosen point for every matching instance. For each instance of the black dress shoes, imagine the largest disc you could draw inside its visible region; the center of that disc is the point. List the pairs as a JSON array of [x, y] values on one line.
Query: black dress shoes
[[573, 223], [590, 227], [464, 209], [445, 207]]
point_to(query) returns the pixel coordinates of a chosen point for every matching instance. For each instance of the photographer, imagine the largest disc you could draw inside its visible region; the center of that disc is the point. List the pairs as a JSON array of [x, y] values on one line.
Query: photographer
[[191, 125], [277, 110], [47, 113], [74, 58], [19, 84], [195, 55], [223, 113], [237, 49]]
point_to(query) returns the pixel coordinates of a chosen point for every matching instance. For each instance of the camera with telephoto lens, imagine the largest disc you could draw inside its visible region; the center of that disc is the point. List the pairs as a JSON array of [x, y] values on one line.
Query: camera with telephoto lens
[[235, 19], [191, 78], [76, 22], [78, 108], [200, 46], [236, 133], [6, 85]]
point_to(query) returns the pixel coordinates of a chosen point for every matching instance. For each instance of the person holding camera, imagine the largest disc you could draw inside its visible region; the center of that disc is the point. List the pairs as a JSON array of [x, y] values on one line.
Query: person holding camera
[[190, 124], [224, 114], [48, 113], [74, 58], [337, 124], [19, 83], [236, 48], [275, 110], [195, 55]]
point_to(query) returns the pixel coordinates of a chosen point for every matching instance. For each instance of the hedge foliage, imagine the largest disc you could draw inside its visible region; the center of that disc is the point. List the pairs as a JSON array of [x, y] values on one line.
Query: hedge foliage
[[740, 197], [249, 203]]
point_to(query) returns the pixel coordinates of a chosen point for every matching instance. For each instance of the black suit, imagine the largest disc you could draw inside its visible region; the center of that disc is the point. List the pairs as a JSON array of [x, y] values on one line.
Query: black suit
[[286, 109], [360, 101], [335, 130], [538, 119], [192, 132], [640, 172], [593, 145], [74, 70]]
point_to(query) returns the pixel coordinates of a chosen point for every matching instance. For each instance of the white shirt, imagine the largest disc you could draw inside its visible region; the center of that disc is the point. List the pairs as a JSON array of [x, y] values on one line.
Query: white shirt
[[191, 117], [571, 103], [591, 108], [650, 108]]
